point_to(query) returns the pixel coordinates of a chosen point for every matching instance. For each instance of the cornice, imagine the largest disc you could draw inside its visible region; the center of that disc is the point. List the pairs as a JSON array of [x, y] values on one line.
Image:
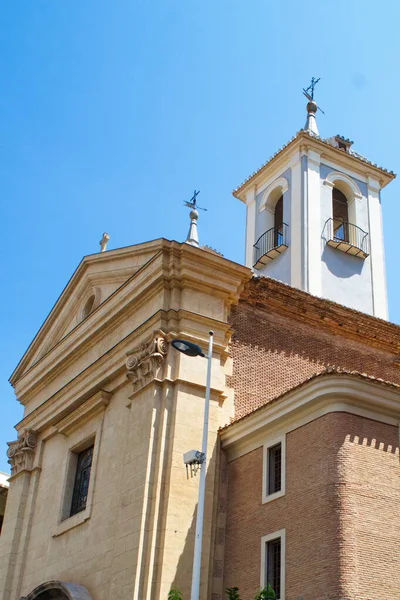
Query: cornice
[[80, 414], [108, 373], [317, 397], [69, 291], [178, 265], [303, 140], [325, 314]]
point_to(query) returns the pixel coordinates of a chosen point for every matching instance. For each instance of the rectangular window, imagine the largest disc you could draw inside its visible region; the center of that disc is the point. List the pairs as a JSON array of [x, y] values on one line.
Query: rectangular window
[[275, 469], [273, 565], [82, 478], [273, 562], [274, 478]]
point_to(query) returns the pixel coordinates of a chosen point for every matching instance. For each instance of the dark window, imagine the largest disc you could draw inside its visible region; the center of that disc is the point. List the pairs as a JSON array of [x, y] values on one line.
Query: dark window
[[273, 566], [340, 215], [342, 146], [1, 522], [278, 222], [82, 478], [275, 468]]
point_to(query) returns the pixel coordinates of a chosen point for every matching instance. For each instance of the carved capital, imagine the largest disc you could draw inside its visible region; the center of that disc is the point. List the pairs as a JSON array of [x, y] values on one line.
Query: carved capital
[[144, 363], [21, 452]]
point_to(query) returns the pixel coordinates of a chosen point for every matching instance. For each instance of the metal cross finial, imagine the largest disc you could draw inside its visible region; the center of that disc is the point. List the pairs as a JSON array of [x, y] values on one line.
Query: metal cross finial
[[193, 201], [309, 92], [194, 197]]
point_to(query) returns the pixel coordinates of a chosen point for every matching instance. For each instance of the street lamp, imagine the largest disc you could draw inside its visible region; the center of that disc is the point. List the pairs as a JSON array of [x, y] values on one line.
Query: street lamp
[[191, 349]]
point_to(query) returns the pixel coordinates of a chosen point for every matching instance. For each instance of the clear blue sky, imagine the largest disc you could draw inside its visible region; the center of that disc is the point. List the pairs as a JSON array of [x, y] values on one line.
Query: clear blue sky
[[113, 112]]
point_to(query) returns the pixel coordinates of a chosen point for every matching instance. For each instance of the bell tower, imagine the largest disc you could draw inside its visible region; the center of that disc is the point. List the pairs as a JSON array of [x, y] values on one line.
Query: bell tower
[[314, 219]]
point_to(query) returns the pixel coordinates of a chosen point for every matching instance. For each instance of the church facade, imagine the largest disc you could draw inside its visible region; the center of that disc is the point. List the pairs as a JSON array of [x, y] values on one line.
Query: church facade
[[302, 489]]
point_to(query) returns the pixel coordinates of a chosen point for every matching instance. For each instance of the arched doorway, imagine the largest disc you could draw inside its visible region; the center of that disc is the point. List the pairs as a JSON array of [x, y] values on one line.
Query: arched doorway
[[58, 590]]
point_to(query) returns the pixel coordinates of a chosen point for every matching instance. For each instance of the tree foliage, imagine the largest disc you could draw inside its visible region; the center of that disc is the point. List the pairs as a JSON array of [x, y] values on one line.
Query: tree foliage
[[233, 593], [175, 595], [266, 593]]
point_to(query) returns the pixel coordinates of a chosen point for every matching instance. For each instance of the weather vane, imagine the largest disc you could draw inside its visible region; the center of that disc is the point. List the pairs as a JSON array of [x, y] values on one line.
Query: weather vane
[[193, 202], [309, 92]]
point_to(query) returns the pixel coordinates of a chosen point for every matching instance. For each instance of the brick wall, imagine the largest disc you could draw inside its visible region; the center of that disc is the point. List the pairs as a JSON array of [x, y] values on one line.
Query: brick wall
[[280, 341], [341, 512]]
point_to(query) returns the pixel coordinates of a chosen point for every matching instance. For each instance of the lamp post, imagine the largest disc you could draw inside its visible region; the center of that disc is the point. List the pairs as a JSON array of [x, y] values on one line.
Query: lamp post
[[191, 349]]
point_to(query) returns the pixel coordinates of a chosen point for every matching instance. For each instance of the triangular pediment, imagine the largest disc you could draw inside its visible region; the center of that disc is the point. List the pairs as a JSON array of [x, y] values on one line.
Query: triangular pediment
[[97, 277]]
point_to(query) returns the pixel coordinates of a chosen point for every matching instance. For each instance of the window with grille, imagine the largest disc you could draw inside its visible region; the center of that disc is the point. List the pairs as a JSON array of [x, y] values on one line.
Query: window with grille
[[273, 554], [275, 468], [82, 479]]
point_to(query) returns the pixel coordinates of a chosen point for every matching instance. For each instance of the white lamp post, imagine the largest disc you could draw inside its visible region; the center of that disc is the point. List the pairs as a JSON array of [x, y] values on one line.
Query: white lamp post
[[191, 349]]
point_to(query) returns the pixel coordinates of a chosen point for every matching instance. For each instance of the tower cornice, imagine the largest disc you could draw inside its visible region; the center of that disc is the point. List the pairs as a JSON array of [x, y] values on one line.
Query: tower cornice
[[303, 141]]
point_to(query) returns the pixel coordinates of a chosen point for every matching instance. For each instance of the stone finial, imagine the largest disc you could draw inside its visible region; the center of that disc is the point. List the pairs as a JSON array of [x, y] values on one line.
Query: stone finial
[[311, 122], [193, 236], [104, 241], [21, 452]]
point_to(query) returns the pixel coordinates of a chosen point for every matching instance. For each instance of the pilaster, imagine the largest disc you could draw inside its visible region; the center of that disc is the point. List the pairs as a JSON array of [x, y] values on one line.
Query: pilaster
[[295, 223], [250, 226], [313, 225], [377, 256]]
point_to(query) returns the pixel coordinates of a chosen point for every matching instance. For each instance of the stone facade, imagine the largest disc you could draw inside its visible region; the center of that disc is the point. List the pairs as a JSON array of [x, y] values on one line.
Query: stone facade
[[3, 496], [106, 376]]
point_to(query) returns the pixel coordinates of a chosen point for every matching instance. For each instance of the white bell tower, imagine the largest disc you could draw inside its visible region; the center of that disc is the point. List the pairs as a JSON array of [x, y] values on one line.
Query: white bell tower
[[314, 220]]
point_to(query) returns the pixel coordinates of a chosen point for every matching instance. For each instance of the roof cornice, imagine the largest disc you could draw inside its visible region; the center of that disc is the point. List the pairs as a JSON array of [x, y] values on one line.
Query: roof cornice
[[321, 394], [325, 314], [303, 138], [174, 266]]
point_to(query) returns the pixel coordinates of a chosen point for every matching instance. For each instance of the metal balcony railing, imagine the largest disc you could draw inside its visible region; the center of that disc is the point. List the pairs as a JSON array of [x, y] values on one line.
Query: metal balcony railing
[[269, 245], [347, 237]]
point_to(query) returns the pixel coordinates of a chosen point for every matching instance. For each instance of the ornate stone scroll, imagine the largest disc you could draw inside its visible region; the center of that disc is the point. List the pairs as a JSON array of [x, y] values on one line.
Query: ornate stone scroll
[[20, 453], [144, 362]]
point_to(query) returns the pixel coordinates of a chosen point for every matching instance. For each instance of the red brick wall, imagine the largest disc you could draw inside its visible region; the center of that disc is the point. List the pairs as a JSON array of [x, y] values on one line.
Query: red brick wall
[[274, 352], [341, 512]]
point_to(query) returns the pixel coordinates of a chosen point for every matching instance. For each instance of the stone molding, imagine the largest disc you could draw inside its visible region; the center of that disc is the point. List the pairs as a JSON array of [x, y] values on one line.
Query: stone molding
[[62, 589], [87, 410], [144, 363], [21, 452]]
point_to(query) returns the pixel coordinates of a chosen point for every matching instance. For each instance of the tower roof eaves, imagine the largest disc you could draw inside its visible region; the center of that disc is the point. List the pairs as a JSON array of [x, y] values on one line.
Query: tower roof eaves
[[383, 174]]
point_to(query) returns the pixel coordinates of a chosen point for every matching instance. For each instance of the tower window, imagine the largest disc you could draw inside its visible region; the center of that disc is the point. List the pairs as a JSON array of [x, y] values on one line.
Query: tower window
[[278, 222], [340, 215], [82, 479]]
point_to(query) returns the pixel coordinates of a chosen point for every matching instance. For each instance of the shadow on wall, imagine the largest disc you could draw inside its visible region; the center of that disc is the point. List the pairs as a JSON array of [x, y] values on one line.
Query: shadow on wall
[[183, 575], [340, 264]]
